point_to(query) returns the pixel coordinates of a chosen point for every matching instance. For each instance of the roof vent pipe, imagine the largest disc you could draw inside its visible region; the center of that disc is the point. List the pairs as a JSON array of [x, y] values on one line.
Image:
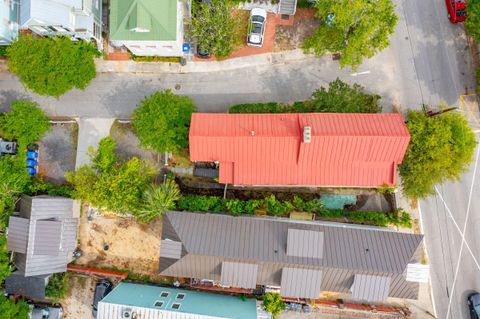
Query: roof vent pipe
[[307, 134]]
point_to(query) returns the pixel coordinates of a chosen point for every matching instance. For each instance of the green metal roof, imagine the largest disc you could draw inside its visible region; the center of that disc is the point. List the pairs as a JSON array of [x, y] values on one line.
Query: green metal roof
[[143, 20]]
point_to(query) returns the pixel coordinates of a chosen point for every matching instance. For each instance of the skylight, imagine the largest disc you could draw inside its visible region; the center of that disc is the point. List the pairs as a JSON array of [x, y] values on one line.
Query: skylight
[[176, 306], [164, 294], [158, 303], [181, 296]]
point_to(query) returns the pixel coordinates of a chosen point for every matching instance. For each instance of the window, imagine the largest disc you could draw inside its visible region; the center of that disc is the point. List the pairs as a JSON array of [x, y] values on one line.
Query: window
[[176, 306], [158, 304], [181, 296], [164, 294]]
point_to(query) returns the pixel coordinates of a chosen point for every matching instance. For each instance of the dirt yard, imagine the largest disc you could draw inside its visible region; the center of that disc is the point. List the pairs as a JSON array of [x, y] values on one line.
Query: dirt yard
[[78, 302], [291, 37], [121, 243]]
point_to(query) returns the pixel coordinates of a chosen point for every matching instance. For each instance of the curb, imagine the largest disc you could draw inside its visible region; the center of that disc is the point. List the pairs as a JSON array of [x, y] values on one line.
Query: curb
[[284, 57]]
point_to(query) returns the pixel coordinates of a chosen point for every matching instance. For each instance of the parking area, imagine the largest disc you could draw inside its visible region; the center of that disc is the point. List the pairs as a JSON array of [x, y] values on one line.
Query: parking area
[[57, 152]]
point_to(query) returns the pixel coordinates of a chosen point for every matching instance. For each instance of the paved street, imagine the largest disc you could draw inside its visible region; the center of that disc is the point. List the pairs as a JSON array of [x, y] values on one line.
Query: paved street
[[427, 62], [438, 74]]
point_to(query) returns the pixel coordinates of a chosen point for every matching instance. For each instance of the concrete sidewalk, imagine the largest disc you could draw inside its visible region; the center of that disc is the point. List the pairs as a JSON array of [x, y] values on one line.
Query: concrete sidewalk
[[90, 132], [275, 58]]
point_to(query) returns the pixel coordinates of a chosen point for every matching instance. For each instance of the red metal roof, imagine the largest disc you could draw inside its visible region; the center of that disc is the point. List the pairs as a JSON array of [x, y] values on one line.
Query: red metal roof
[[346, 149]]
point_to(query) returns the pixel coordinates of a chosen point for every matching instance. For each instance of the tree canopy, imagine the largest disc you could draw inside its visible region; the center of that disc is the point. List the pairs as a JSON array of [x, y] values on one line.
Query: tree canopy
[[441, 149], [52, 66], [214, 26], [11, 310], [340, 97], [472, 24], [272, 302], [26, 123], [110, 184], [354, 29], [161, 121]]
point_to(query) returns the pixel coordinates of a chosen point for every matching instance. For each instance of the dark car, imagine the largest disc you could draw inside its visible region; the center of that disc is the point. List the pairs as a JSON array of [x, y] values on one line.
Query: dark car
[[473, 302], [457, 10], [103, 287]]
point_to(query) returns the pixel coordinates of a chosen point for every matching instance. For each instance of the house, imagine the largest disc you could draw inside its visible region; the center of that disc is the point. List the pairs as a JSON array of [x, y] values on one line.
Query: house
[[42, 236], [300, 259], [78, 19], [128, 300], [306, 149], [148, 27], [9, 11]]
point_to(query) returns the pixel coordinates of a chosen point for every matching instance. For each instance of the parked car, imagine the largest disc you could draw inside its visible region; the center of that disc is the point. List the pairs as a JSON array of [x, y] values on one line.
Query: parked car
[[45, 311], [457, 10], [256, 27], [473, 301], [103, 287]]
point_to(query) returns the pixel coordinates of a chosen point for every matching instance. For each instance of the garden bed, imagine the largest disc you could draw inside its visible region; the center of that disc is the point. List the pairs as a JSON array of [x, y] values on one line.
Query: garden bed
[[272, 206]]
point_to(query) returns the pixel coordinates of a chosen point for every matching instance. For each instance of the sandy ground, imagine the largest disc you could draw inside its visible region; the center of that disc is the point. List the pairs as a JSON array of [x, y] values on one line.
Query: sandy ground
[[78, 302], [291, 37], [131, 245]]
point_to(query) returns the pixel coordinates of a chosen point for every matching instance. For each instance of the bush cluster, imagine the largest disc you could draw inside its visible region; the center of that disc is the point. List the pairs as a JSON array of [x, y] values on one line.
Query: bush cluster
[[273, 206], [339, 97]]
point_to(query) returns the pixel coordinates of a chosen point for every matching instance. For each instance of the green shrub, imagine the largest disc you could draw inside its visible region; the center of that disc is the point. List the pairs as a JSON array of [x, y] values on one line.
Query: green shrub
[[3, 51], [156, 200], [478, 80], [272, 302], [13, 310], [26, 123], [57, 286], [41, 187], [339, 97], [276, 207], [271, 107]]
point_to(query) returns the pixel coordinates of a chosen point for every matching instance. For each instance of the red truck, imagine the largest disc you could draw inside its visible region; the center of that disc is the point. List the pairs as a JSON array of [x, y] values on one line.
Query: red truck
[[457, 10]]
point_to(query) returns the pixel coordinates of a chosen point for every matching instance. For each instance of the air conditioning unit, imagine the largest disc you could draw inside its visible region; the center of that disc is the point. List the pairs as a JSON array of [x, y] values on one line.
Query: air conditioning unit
[[127, 313]]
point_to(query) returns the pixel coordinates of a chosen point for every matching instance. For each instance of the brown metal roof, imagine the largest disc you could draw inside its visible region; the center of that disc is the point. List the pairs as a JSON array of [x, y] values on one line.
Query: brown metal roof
[[208, 240], [304, 243], [301, 283], [240, 275], [370, 288], [171, 249]]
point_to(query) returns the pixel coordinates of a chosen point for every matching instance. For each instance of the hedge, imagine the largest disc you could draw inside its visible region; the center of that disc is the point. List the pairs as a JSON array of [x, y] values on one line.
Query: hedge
[[214, 204]]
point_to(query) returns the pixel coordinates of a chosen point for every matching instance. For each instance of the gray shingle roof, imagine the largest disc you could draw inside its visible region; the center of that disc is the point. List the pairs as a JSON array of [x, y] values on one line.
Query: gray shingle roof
[[210, 239], [50, 236]]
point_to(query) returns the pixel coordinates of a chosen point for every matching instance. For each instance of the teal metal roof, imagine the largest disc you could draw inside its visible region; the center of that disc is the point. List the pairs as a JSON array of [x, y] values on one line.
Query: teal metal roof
[[194, 302]]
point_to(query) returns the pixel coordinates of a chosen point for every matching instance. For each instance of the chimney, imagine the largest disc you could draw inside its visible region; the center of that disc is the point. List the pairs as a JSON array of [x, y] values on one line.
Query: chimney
[[307, 134]]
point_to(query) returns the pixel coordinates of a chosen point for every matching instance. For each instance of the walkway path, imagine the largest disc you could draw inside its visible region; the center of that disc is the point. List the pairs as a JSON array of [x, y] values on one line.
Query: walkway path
[[90, 132]]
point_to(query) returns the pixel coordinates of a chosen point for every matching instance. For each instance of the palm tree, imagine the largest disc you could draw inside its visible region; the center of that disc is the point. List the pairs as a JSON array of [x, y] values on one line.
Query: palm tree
[[157, 199]]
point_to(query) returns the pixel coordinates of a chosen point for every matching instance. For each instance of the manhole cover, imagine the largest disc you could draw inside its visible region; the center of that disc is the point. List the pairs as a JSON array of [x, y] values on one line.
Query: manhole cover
[[178, 87]]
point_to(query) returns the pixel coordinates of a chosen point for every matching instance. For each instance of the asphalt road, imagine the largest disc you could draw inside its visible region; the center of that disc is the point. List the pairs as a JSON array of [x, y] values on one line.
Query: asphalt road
[[428, 62], [424, 64]]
